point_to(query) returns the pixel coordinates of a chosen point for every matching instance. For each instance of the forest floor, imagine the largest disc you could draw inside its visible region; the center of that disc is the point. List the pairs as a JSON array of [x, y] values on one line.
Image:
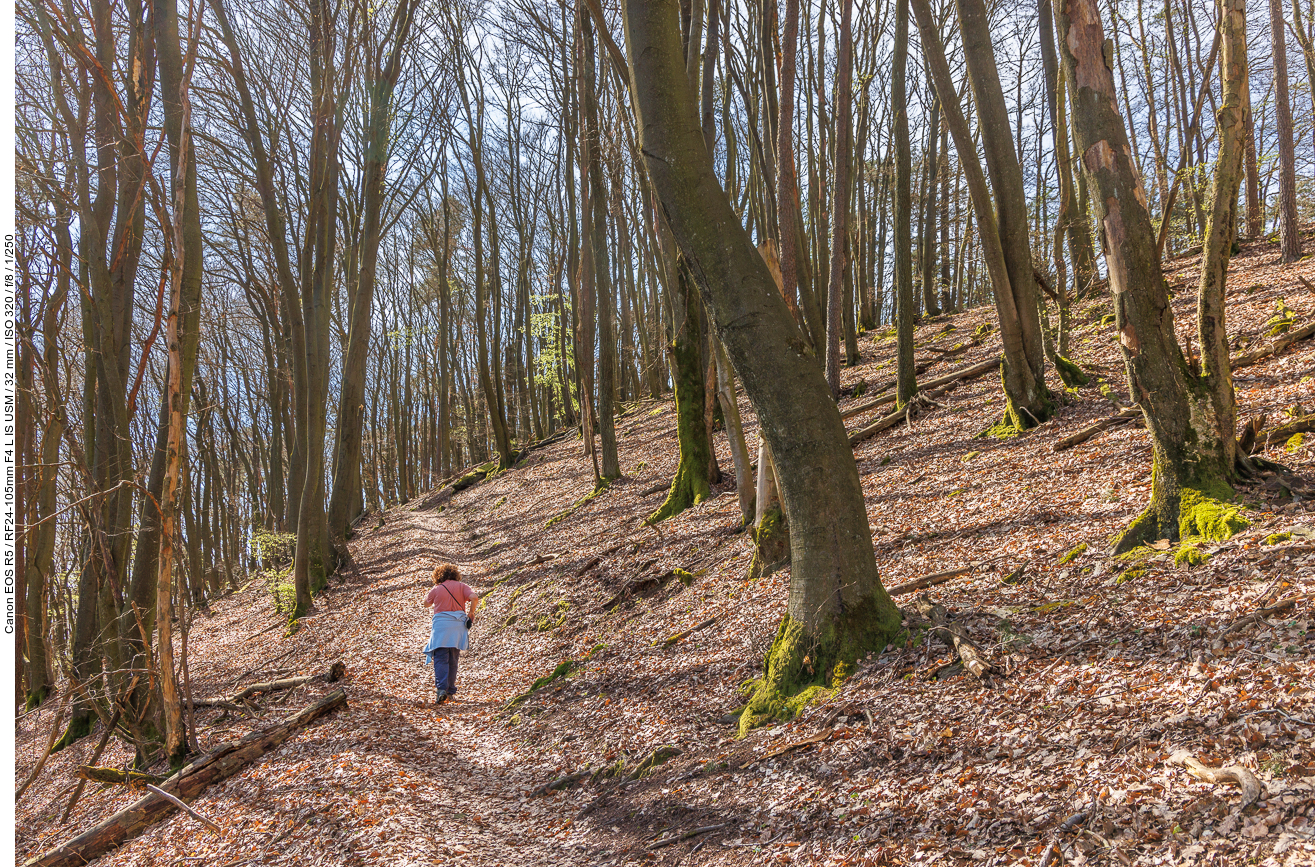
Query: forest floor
[[1106, 667]]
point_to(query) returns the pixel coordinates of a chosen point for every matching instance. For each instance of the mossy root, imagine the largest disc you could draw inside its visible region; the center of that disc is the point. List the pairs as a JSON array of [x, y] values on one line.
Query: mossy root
[[801, 667]]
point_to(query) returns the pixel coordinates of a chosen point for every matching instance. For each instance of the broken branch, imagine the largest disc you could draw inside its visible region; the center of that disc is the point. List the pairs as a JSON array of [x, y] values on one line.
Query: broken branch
[[1124, 416], [685, 835], [187, 784], [1246, 780], [928, 581]]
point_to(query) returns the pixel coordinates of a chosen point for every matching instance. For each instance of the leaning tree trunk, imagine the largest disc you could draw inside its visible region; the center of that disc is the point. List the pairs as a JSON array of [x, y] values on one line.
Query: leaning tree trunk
[[1189, 470], [837, 609], [1027, 399], [983, 208]]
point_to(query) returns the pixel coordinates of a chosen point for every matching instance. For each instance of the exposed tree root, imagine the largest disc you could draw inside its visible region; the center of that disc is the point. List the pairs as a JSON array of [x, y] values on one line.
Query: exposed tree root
[[1187, 513], [799, 666], [1251, 787]]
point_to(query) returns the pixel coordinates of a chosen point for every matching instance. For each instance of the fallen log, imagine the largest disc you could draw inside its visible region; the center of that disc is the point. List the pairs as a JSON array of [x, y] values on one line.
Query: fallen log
[[1124, 416], [1280, 343], [928, 581], [969, 372], [681, 636], [187, 784], [1251, 788], [954, 636], [1281, 433], [335, 673], [921, 400], [95, 774]]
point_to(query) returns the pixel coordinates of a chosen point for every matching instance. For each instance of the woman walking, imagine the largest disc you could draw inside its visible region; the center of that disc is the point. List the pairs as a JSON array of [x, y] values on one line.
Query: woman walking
[[453, 604]]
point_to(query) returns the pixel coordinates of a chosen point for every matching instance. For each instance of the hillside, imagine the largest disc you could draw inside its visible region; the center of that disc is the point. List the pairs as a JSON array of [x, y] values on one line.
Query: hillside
[[1106, 667]]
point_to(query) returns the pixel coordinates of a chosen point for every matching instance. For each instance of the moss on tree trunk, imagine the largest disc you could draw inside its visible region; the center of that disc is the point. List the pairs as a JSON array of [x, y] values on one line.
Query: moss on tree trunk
[[801, 665], [690, 485], [771, 544]]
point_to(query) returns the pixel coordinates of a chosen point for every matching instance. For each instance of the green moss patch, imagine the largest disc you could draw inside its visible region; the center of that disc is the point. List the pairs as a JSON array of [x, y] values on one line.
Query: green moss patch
[[1277, 538], [1189, 554], [801, 667], [564, 669], [1294, 442], [1200, 514], [1001, 430], [599, 488], [1074, 554], [1132, 574], [1072, 375], [553, 618]]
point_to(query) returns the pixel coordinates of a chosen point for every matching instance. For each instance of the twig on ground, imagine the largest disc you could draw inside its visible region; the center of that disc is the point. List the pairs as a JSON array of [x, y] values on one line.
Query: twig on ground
[[50, 745], [685, 835], [681, 636], [184, 807]]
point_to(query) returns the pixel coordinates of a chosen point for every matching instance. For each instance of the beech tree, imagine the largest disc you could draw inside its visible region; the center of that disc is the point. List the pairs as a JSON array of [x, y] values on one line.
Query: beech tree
[[838, 609], [1192, 445]]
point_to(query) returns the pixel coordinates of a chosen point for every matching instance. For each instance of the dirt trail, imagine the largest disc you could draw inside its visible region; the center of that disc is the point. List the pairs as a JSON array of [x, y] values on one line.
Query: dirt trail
[[388, 780]]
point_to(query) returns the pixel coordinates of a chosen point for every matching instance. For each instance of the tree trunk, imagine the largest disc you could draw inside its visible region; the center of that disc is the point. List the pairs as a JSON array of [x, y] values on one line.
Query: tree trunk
[[596, 241], [1189, 471], [927, 247], [837, 609], [1219, 403], [1028, 400], [907, 385], [689, 486], [346, 493], [1289, 230], [840, 194], [787, 188]]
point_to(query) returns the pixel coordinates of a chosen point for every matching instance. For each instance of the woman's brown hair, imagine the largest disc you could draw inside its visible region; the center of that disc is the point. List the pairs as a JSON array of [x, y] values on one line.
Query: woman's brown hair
[[446, 572]]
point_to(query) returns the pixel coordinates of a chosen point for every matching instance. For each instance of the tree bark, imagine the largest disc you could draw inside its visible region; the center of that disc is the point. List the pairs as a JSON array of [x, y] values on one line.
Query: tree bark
[[837, 608], [907, 386], [1289, 230], [345, 496], [1220, 403], [840, 198], [1028, 400], [1189, 472]]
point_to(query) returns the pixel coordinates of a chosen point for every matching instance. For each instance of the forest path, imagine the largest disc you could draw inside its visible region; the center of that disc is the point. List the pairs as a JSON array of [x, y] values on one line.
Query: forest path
[[470, 789]]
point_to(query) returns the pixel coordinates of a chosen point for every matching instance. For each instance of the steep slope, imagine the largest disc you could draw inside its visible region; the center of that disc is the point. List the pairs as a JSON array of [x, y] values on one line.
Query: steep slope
[[1104, 667]]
